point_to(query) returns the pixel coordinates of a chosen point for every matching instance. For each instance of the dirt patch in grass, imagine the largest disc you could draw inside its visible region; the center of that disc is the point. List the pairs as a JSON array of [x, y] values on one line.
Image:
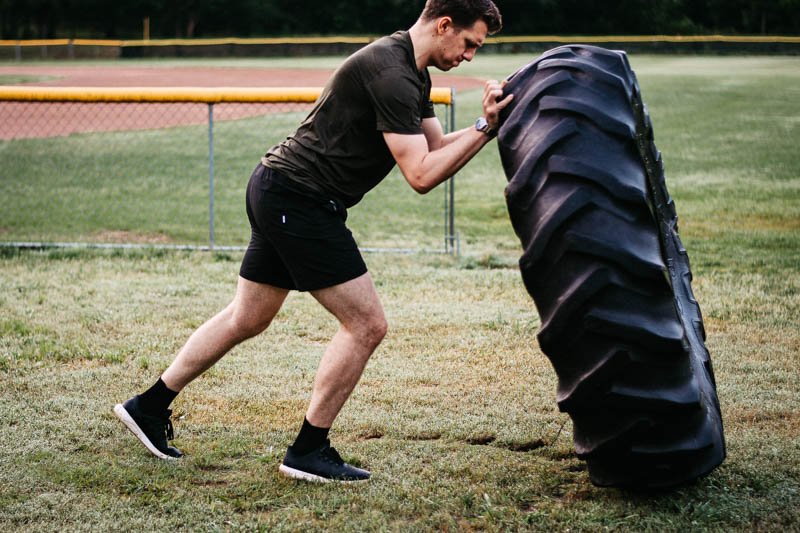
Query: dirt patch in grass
[[370, 434], [481, 440], [763, 420], [525, 446], [274, 413], [771, 222], [425, 435], [578, 494]]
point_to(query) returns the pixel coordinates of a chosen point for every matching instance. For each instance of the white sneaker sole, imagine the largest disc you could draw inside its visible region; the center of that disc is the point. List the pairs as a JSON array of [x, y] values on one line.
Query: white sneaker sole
[[305, 476], [131, 424]]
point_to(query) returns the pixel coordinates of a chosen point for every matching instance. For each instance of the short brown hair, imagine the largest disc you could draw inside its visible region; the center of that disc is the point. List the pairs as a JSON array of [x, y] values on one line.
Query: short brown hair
[[465, 13]]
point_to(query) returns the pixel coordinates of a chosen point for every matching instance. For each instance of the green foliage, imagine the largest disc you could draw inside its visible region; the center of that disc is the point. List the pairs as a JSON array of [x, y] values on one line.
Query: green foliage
[[203, 18]]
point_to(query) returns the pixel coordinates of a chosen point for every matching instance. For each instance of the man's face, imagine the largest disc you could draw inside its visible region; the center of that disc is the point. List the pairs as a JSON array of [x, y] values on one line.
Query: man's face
[[458, 44]]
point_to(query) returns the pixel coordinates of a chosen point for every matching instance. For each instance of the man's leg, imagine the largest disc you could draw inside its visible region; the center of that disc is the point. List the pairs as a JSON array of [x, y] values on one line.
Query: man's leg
[[362, 327], [250, 312]]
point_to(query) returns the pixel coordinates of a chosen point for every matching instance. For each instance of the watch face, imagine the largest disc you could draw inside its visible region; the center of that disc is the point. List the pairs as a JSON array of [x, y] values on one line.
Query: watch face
[[481, 124]]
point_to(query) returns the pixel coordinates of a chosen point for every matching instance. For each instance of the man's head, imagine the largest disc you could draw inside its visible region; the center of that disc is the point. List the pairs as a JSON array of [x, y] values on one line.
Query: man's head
[[460, 27], [465, 13]]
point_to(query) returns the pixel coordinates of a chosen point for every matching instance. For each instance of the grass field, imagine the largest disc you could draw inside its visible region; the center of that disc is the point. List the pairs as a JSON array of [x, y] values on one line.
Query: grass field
[[456, 412], [15, 79]]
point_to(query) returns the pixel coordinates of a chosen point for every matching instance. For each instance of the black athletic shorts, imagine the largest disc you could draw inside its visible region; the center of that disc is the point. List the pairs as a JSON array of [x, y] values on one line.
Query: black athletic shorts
[[299, 239]]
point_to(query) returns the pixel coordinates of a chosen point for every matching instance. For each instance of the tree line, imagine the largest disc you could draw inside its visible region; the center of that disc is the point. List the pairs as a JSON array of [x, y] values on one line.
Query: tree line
[[124, 19]]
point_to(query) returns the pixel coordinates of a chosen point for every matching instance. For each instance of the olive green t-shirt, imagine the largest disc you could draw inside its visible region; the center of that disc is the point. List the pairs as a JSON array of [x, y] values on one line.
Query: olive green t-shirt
[[339, 148]]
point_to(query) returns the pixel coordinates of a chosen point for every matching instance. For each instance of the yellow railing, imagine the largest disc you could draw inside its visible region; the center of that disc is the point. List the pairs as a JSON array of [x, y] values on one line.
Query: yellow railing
[[207, 95]]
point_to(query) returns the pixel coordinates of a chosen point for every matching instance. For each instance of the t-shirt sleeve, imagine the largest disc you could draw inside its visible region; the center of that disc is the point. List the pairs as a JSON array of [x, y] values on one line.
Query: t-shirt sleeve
[[428, 112], [396, 100]]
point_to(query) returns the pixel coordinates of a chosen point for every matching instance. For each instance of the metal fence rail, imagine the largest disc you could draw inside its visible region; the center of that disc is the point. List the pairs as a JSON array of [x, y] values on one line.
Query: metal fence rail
[[68, 139]]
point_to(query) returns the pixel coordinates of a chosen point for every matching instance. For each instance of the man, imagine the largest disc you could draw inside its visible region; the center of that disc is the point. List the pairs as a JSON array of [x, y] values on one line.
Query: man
[[375, 111]]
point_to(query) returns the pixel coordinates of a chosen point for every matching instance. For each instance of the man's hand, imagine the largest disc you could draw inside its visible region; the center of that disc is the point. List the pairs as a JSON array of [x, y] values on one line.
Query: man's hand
[[492, 103]]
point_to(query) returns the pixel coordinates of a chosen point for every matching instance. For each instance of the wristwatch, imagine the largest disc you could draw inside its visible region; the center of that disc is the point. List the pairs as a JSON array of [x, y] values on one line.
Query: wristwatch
[[483, 126]]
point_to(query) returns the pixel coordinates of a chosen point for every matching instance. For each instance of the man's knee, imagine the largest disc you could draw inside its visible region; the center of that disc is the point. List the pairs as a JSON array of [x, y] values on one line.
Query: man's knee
[[246, 325], [371, 330]]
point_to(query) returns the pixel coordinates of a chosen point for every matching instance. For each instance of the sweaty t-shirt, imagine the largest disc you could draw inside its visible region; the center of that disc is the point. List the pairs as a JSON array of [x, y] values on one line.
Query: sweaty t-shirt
[[339, 148]]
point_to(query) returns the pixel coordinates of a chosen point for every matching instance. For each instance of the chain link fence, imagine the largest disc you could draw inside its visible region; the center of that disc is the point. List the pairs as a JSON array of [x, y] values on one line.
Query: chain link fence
[[169, 167]]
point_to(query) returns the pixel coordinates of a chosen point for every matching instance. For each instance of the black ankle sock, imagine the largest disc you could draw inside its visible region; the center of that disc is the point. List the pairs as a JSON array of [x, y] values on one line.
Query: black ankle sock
[[157, 398], [309, 438]]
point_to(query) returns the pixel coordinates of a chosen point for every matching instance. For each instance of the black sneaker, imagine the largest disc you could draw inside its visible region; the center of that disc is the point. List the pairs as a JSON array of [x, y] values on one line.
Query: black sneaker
[[322, 465], [152, 430]]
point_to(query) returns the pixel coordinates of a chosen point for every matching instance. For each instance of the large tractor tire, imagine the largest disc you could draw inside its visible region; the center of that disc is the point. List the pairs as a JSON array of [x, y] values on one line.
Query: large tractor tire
[[607, 271]]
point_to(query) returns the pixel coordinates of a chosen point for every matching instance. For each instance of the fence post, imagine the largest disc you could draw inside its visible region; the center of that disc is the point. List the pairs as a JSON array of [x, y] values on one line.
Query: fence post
[[211, 176], [446, 185], [450, 229]]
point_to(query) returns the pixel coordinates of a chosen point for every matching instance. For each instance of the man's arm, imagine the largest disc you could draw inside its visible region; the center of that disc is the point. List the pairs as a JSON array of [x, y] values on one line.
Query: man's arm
[[424, 168], [429, 158], [432, 129]]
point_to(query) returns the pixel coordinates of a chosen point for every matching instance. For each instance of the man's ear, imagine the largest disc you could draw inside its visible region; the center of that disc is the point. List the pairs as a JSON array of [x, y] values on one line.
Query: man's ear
[[443, 24]]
